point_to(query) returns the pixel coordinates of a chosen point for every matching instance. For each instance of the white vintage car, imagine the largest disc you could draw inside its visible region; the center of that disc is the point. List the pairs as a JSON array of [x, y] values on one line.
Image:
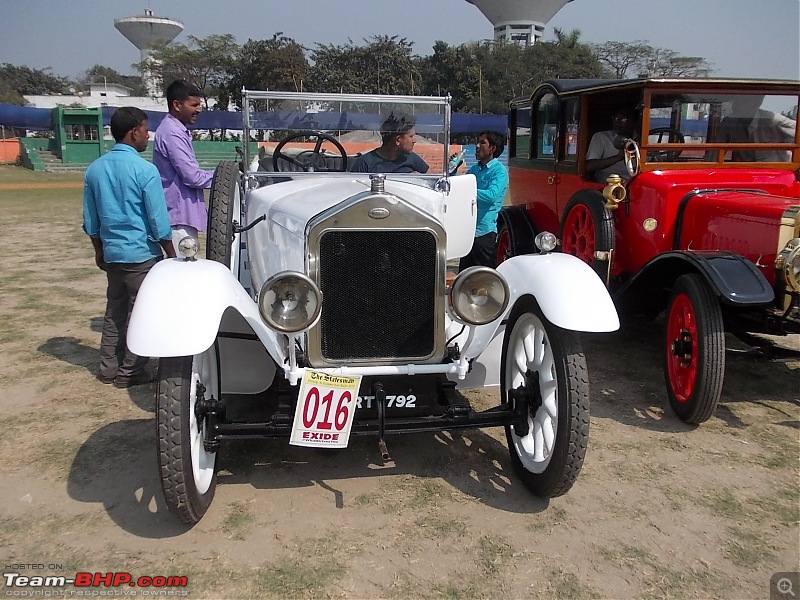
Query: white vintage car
[[325, 307]]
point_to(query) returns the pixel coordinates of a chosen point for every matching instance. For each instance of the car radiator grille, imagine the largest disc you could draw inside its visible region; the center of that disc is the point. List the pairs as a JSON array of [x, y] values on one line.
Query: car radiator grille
[[379, 293]]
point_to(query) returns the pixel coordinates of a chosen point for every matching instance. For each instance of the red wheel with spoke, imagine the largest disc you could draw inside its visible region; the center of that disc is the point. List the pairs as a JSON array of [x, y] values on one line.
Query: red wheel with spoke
[[694, 350], [586, 230], [504, 251]]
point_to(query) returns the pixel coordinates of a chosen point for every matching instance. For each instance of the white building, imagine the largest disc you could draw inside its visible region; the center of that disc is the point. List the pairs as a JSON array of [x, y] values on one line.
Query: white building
[[100, 94]]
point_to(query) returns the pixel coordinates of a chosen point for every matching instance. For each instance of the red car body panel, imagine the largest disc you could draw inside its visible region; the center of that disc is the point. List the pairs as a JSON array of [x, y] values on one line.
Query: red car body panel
[[737, 211], [543, 210]]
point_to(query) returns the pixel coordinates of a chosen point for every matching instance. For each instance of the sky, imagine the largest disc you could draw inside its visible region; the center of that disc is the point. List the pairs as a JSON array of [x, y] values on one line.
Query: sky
[[740, 38]]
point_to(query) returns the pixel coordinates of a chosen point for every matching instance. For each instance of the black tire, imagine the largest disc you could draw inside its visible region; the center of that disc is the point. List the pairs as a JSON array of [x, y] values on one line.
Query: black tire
[[556, 383], [694, 349], [587, 227], [188, 473], [223, 206]]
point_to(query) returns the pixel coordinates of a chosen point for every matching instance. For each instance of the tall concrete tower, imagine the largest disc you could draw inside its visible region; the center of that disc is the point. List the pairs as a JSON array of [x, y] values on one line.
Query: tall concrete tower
[[145, 32], [520, 21]]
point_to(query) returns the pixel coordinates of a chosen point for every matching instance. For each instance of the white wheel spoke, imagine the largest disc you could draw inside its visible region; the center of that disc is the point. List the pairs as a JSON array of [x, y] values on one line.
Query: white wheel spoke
[[538, 442], [520, 360], [527, 442], [547, 364], [549, 435], [549, 399], [540, 345], [530, 349]]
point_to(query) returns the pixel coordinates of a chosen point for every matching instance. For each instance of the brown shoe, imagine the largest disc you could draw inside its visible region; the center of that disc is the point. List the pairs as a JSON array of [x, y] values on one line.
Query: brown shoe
[[143, 376]]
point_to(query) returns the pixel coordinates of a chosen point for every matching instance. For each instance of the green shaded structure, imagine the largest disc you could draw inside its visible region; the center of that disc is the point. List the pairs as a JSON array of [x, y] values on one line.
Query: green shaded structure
[[78, 134], [78, 140]]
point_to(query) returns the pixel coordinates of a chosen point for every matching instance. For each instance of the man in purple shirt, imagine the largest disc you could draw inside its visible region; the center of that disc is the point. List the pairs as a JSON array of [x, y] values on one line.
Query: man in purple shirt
[[181, 176]]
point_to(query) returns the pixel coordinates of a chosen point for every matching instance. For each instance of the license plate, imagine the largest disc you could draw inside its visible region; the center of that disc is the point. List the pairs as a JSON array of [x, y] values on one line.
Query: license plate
[[392, 401], [326, 405], [406, 395]]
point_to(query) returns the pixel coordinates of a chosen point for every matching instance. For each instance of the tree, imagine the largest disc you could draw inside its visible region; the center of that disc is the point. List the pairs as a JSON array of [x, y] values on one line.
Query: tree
[[484, 77], [441, 71], [99, 73], [8, 95], [278, 63], [479, 75], [620, 57], [567, 39], [640, 59], [24, 80], [564, 58], [384, 65], [500, 69], [667, 63], [204, 62]]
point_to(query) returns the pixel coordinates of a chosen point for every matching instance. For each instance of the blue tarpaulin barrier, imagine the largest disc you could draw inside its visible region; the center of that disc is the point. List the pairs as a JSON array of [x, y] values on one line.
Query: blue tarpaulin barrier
[[25, 117]]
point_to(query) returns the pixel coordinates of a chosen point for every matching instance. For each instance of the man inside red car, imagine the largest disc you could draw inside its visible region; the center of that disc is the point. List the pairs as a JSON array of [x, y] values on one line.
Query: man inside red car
[[605, 155]]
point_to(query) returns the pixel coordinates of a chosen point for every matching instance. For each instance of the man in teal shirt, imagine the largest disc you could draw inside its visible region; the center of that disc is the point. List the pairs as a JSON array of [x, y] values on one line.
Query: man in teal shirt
[[492, 178], [125, 215]]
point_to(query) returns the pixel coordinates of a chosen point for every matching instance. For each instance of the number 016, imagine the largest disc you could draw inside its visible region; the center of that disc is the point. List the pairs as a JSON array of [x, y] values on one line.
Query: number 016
[[317, 410]]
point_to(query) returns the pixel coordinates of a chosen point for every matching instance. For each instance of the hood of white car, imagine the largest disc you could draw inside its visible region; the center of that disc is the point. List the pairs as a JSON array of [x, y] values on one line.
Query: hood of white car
[[292, 204]]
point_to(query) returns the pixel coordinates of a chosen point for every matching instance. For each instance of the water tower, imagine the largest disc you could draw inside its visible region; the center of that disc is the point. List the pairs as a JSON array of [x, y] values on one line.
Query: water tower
[[520, 21], [146, 32]]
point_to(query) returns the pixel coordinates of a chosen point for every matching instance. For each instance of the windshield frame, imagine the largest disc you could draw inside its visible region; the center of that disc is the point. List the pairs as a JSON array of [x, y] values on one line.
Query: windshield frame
[[249, 97], [715, 154]]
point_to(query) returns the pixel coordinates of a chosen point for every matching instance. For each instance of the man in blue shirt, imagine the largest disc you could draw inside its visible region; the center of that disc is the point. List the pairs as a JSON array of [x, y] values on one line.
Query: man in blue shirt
[[125, 215], [492, 179]]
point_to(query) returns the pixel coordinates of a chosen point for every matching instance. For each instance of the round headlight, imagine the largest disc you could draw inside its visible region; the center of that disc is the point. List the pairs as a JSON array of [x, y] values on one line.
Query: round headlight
[[545, 241], [788, 264], [479, 295], [290, 302], [187, 247]]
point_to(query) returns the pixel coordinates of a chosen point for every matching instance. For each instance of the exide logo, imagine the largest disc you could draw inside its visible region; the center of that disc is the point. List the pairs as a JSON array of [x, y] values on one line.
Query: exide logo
[[314, 435]]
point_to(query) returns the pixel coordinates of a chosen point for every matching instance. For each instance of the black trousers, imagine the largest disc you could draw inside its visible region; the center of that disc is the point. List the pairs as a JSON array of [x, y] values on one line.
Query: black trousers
[[124, 281], [483, 253]]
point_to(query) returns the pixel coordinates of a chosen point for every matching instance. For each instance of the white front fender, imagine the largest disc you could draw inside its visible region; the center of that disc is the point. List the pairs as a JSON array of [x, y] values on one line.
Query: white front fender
[[568, 291], [179, 308]]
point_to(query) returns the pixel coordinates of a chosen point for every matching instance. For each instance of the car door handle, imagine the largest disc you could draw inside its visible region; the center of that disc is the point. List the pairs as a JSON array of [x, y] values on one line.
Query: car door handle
[[553, 179]]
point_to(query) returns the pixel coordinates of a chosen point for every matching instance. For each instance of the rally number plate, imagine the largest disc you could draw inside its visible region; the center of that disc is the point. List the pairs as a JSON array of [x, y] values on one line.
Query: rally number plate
[[326, 405]]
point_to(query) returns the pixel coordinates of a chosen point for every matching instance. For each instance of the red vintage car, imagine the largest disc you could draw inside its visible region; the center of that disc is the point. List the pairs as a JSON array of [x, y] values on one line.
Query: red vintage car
[[701, 218]]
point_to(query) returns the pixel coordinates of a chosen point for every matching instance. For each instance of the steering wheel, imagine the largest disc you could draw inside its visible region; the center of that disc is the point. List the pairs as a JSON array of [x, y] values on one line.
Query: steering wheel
[[666, 155], [309, 160], [632, 157]]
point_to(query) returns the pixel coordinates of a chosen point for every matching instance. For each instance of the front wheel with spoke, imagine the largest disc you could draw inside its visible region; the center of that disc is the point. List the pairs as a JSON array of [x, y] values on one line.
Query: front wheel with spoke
[[694, 349], [587, 231], [504, 249], [188, 471], [543, 374]]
